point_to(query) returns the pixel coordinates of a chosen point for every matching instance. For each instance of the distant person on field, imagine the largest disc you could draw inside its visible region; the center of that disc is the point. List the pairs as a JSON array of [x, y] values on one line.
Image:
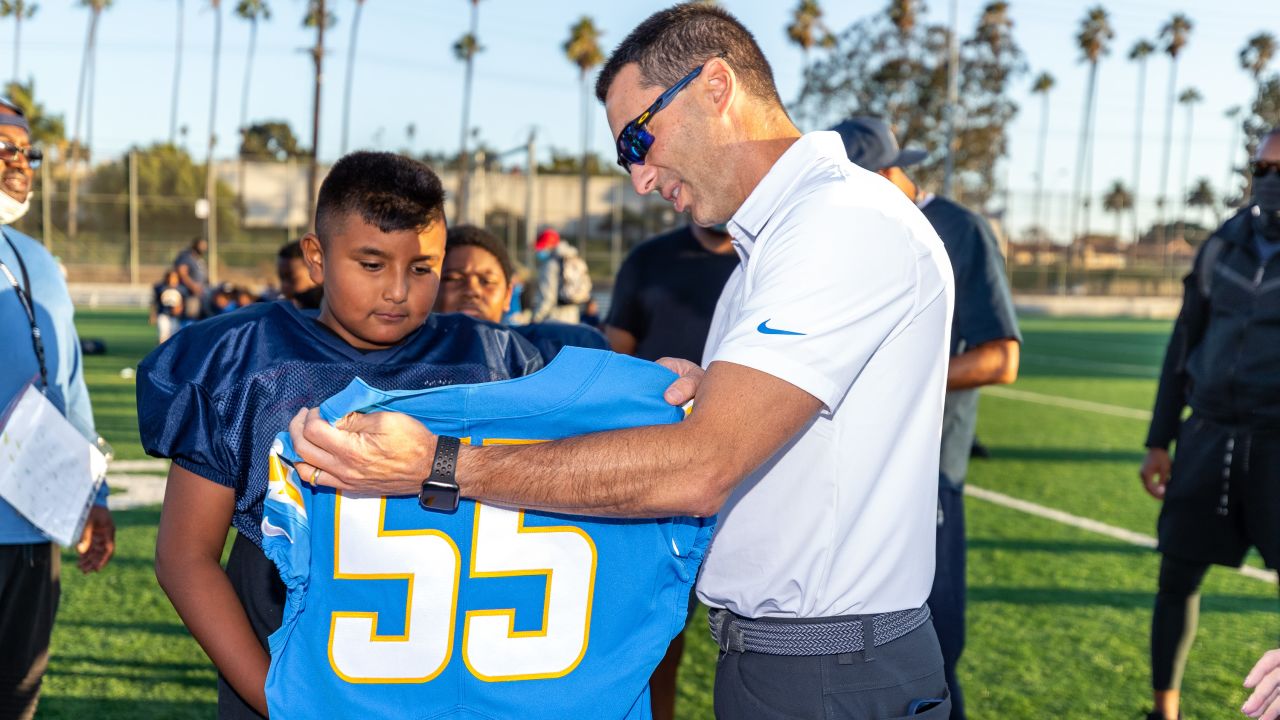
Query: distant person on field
[[296, 284], [1221, 490], [33, 294], [560, 270], [476, 280], [168, 305], [193, 271], [984, 351]]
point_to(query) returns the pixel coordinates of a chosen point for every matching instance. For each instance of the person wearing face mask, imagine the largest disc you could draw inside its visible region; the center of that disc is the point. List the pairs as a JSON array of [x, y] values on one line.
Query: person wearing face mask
[[1221, 489], [42, 349], [561, 278]]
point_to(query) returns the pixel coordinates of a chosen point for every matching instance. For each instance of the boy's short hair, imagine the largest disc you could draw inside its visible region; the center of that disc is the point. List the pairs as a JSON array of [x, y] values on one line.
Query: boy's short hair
[[389, 191], [470, 235], [291, 250], [672, 42]]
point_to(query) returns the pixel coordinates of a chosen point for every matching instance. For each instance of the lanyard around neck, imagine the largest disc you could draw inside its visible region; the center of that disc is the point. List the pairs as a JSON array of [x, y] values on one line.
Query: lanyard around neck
[[28, 303]]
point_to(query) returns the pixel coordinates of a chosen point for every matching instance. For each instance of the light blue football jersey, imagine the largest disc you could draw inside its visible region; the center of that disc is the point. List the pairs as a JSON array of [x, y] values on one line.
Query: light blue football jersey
[[394, 611]]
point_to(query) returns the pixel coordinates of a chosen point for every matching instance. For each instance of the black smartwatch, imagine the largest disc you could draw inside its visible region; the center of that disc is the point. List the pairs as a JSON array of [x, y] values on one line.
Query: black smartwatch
[[440, 489]]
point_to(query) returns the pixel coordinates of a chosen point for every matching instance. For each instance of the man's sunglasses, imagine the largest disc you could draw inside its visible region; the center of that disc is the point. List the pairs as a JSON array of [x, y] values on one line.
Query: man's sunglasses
[[1263, 168], [9, 153], [634, 141]]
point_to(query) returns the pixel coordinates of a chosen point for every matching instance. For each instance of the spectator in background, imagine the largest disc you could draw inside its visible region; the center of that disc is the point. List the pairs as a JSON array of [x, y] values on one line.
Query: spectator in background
[[984, 351], [33, 295], [475, 280], [296, 283], [1221, 490], [168, 305], [560, 275], [666, 292], [663, 300], [194, 274]]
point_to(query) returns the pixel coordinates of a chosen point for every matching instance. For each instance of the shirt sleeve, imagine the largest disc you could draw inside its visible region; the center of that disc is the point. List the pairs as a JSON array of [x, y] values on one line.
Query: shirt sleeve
[[1171, 393], [79, 408], [984, 306], [624, 308], [823, 298]]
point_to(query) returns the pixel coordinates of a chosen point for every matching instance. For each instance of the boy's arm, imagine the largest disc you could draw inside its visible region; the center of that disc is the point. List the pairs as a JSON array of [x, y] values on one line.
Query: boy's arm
[[193, 530]]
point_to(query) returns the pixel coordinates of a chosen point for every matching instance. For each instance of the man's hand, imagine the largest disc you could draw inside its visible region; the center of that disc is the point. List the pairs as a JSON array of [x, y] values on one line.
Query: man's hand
[[1155, 472], [686, 386], [1264, 678], [382, 453], [98, 541]]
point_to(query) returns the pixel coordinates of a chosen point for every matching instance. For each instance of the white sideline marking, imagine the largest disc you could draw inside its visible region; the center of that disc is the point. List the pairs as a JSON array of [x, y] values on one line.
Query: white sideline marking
[[133, 491], [158, 466], [1056, 401], [1093, 526]]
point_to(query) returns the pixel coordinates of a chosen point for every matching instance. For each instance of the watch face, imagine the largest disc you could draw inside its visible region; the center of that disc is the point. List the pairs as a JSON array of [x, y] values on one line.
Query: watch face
[[440, 498]]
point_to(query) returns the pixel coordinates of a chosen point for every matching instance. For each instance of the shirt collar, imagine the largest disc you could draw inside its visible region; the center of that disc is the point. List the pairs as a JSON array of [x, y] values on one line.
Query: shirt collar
[[775, 188]]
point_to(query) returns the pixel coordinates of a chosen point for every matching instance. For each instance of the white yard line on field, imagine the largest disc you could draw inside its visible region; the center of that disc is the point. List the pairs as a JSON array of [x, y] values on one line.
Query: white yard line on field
[[1092, 526], [1072, 403]]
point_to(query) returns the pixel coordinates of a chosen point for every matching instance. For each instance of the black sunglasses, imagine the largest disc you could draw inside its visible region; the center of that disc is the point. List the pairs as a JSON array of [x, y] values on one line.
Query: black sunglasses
[[634, 141], [1263, 168], [10, 152]]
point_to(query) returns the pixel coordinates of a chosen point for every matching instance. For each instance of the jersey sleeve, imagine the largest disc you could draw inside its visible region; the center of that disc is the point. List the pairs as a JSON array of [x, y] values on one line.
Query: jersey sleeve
[[984, 306], [827, 292], [286, 528]]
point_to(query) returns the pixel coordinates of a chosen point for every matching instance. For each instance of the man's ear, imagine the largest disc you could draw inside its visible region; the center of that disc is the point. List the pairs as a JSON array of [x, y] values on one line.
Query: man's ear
[[313, 256], [721, 84]]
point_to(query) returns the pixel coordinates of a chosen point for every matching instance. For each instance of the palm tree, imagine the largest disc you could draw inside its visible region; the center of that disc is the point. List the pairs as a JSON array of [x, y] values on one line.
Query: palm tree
[[1189, 98], [253, 11], [1043, 84], [1117, 201], [1257, 54], [19, 10], [210, 182], [320, 18], [1201, 196], [351, 64], [1139, 53], [1174, 35], [86, 68], [177, 78], [583, 50], [1093, 38], [807, 29], [1232, 114], [465, 49]]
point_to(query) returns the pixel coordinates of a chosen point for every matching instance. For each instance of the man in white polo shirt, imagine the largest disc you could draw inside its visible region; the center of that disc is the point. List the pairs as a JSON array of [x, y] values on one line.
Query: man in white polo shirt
[[815, 433]]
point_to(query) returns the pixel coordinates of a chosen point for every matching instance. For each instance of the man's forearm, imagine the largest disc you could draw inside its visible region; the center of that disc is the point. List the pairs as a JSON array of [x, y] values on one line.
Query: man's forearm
[[991, 363]]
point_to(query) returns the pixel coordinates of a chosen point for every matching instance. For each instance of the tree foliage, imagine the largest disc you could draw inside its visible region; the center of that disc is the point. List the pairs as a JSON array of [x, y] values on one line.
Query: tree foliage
[[896, 69], [271, 140], [169, 182], [49, 131], [583, 46]]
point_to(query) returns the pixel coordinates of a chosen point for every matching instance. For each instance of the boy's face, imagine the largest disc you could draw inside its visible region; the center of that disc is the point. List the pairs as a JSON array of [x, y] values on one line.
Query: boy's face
[[294, 276], [378, 286], [474, 284]]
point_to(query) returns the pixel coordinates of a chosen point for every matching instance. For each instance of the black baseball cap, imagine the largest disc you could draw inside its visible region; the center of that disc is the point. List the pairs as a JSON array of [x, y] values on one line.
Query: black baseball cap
[[871, 145]]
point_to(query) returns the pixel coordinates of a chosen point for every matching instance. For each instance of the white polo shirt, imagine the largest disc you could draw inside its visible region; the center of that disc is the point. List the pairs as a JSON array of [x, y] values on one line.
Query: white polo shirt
[[845, 291]]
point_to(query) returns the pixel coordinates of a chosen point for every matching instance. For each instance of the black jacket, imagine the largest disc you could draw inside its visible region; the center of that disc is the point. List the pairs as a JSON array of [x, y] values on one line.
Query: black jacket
[[1224, 356]]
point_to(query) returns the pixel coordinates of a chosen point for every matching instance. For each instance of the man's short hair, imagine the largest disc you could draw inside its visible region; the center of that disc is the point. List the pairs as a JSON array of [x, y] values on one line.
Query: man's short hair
[[671, 43], [389, 191], [291, 250], [470, 235]]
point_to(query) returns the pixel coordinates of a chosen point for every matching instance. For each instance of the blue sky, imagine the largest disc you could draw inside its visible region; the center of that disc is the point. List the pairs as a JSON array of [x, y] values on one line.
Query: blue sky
[[405, 72]]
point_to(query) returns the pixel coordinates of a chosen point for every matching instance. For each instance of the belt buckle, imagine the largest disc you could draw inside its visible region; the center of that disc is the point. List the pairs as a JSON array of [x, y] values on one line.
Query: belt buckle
[[728, 633]]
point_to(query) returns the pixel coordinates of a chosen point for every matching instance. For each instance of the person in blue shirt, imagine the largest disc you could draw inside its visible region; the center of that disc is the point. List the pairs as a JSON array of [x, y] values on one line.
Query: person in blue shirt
[[476, 281], [29, 561]]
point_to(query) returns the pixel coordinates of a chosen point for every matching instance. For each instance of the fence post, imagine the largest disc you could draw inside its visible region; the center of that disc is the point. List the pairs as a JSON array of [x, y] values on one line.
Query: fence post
[[133, 217], [530, 222], [46, 207]]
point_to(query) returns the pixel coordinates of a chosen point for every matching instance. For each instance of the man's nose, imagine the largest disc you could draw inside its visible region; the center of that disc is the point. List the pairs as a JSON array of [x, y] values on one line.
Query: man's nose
[[644, 179]]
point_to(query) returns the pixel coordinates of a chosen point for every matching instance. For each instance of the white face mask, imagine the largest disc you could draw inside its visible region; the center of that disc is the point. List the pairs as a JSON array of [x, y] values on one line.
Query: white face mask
[[11, 210]]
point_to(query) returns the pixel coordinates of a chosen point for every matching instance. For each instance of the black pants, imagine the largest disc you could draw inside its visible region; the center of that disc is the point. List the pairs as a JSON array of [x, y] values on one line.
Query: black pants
[[878, 684], [947, 598], [261, 591], [29, 592]]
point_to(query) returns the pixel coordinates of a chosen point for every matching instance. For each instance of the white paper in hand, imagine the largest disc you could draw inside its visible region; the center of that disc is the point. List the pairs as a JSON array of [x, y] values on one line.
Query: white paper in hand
[[48, 471]]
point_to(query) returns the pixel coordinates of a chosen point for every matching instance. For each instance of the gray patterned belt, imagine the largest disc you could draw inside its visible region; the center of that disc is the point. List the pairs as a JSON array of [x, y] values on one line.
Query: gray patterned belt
[[812, 636]]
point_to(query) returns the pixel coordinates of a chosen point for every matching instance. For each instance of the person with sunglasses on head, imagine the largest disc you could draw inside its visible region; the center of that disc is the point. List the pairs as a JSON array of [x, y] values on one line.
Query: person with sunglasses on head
[[41, 350], [1220, 492], [814, 435]]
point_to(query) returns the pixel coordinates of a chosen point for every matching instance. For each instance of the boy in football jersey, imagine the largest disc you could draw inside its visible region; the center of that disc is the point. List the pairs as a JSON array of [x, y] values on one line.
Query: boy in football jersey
[[213, 398]]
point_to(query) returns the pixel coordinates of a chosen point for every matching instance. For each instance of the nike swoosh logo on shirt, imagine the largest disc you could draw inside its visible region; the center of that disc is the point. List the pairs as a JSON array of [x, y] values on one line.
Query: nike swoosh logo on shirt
[[766, 330]]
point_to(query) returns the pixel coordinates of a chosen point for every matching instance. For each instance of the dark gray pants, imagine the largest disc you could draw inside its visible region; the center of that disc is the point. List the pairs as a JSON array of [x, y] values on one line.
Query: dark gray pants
[[879, 684], [29, 592]]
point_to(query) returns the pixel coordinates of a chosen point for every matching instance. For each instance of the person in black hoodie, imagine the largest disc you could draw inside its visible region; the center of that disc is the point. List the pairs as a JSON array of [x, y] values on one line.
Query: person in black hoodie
[[1221, 489]]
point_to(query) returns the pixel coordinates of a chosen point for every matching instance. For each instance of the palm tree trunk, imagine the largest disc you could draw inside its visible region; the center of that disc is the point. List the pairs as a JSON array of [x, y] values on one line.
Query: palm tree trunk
[[1081, 156], [1086, 207], [351, 64], [1161, 200], [464, 162], [1137, 146], [210, 181], [1186, 172], [586, 132], [312, 169], [177, 81], [1044, 141], [1233, 152], [244, 113], [17, 40], [85, 64]]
